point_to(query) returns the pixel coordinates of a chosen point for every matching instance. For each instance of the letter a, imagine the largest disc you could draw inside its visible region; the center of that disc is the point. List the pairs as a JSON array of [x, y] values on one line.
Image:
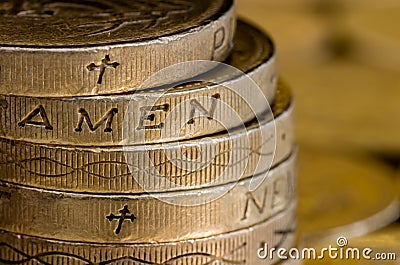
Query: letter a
[[37, 111]]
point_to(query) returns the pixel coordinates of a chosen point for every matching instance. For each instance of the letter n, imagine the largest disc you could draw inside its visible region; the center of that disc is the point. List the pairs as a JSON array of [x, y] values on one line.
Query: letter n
[[259, 205], [196, 106]]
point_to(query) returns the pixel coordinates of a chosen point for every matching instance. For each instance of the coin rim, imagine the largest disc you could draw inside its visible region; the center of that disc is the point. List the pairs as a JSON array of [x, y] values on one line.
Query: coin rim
[[226, 7]]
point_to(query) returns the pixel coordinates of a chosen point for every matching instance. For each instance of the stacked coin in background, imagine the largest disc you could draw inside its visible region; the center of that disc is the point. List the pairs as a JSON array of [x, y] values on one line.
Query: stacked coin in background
[[329, 50], [124, 140]]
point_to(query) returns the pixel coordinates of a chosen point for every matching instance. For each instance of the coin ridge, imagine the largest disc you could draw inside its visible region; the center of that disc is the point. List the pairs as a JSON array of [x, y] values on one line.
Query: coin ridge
[[54, 70], [102, 170], [61, 116], [361, 227], [225, 6], [249, 239], [61, 215]]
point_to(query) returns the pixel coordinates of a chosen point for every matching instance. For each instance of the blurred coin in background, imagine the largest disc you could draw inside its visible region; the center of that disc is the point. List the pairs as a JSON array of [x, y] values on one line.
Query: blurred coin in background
[[342, 195], [376, 36], [384, 245]]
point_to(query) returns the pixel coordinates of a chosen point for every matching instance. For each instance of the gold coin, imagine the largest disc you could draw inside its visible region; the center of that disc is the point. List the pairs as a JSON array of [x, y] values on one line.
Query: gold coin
[[343, 195], [163, 217], [379, 248], [239, 247], [215, 160], [100, 120], [91, 48]]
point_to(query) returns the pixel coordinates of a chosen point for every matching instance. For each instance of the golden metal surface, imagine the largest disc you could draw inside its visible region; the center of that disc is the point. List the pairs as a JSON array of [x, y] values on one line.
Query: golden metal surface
[[297, 33], [100, 120], [75, 190], [117, 218], [239, 247], [92, 48], [384, 245], [223, 158], [356, 106], [339, 99], [346, 106], [372, 30], [342, 195]]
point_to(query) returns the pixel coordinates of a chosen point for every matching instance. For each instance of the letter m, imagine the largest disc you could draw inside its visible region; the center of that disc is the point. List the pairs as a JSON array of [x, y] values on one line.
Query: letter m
[[106, 119]]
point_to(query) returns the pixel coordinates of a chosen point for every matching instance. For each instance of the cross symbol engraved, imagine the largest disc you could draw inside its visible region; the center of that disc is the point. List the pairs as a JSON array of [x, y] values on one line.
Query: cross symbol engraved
[[121, 218], [105, 63]]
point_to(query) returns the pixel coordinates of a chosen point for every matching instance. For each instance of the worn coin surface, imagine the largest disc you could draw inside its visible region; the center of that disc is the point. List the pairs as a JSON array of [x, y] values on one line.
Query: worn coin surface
[[61, 48], [165, 217], [239, 247], [217, 159], [343, 195], [207, 104]]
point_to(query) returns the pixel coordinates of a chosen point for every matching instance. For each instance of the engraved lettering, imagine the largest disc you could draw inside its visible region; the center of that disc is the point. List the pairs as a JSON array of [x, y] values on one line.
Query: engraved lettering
[[5, 195], [276, 197], [105, 63], [139, 13], [3, 106], [29, 119], [26, 9], [121, 218], [259, 205], [147, 117], [101, 17], [291, 186], [219, 38], [272, 80], [196, 106], [279, 187], [107, 119], [223, 38]]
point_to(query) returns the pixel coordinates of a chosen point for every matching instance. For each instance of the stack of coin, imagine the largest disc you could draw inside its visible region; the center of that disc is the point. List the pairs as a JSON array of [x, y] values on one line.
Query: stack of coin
[[125, 140]]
